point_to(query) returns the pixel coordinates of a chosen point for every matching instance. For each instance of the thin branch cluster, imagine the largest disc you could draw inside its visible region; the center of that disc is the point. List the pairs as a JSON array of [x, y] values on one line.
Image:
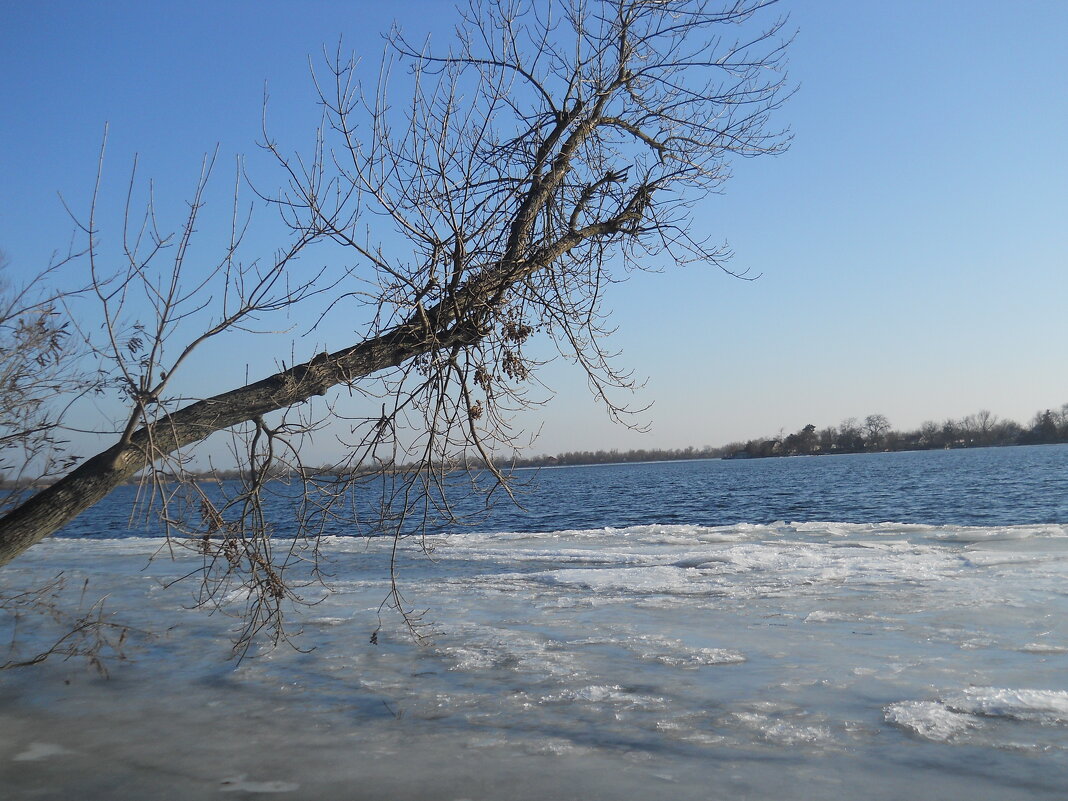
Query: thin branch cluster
[[479, 198]]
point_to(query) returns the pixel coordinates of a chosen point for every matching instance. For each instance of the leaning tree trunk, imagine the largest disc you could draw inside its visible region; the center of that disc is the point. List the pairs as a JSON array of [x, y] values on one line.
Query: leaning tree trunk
[[459, 320], [55, 506], [569, 182]]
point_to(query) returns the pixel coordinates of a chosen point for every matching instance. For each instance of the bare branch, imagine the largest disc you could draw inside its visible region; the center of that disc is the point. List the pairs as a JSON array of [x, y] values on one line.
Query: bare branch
[[478, 198]]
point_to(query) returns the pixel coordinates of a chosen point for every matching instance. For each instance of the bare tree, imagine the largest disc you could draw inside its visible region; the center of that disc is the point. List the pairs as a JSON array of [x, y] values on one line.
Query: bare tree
[[828, 438], [930, 434], [38, 362], [551, 148], [876, 427], [985, 420], [850, 435]]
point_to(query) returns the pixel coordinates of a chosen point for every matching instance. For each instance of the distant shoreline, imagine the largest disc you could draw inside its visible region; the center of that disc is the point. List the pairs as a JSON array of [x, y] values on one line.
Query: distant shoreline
[[873, 434], [851, 436], [557, 464]]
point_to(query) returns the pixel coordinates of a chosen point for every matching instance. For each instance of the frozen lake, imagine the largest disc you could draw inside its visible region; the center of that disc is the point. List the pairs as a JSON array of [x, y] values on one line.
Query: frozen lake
[[640, 631]]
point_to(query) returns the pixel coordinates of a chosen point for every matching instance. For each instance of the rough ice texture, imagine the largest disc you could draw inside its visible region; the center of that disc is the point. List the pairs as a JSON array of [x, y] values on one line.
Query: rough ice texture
[[651, 661], [1045, 706], [930, 719]]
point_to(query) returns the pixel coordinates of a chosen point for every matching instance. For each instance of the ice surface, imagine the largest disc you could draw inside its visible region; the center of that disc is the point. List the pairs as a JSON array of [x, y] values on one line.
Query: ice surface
[[38, 751], [239, 784], [882, 660], [995, 717], [930, 719], [1045, 706]]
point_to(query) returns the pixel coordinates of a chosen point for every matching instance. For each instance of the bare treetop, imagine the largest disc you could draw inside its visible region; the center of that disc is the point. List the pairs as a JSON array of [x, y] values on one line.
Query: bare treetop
[[479, 195]]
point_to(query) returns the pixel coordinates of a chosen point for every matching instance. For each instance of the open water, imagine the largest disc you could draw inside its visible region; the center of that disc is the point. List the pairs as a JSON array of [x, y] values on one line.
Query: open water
[[880, 626]]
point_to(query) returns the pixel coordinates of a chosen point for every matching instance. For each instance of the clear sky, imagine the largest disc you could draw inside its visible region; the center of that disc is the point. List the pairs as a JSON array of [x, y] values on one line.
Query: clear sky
[[912, 244]]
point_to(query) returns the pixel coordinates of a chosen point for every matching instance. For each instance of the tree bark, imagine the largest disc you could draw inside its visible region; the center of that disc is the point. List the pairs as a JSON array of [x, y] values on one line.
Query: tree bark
[[53, 507], [458, 320], [576, 173]]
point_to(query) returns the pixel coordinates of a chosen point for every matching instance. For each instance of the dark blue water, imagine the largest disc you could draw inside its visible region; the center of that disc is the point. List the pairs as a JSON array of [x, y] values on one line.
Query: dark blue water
[[982, 487]]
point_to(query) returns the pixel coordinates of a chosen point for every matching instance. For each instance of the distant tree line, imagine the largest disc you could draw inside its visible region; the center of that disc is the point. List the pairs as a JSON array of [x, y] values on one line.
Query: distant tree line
[[616, 456], [852, 435]]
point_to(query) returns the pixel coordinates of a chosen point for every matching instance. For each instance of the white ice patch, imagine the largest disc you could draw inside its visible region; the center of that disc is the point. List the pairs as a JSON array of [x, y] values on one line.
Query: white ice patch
[[750, 569], [488, 648], [239, 784], [822, 616], [998, 533], [830, 529], [39, 751], [554, 746], [659, 579], [1044, 648], [817, 563], [930, 719], [604, 695], [675, 653], [654, 534], [960, 712], [1042, 706], [780, 731]]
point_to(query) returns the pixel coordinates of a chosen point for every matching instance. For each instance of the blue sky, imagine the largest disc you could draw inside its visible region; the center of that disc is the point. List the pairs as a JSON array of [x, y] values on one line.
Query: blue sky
[[912, 244]]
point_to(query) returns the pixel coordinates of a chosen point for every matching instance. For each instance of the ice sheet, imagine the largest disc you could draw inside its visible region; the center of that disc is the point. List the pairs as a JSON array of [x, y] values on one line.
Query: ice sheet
[[651, 661]]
